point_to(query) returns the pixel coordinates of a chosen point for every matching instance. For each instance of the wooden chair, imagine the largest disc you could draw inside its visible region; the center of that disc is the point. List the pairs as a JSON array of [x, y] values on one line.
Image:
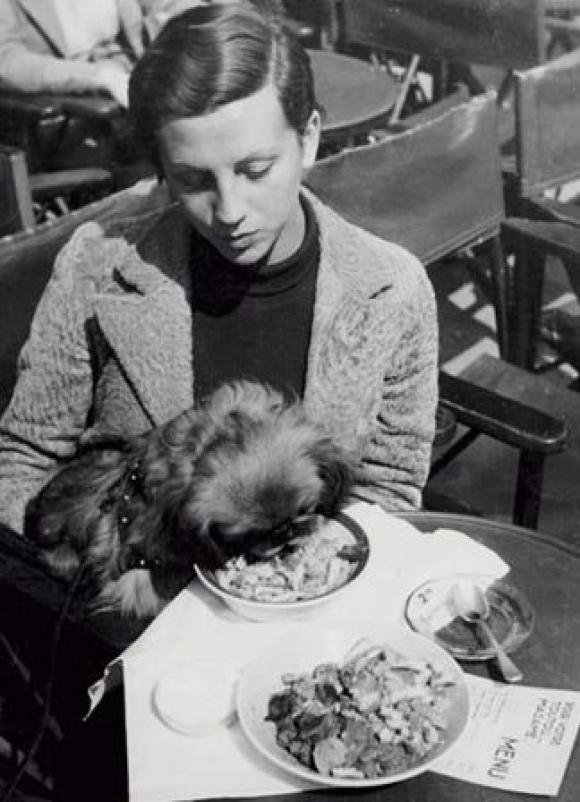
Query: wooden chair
[[436, 188], [446, 38], [27, 199], [60, 131], [16, 211], [506, 33], [547, 157]]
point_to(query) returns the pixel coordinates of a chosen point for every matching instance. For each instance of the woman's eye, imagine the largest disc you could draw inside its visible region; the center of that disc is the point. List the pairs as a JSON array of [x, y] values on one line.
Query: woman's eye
[[256, 172]]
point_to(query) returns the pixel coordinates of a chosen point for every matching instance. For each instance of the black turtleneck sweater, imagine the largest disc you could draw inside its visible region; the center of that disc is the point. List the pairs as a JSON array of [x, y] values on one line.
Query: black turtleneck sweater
[[251, 324]]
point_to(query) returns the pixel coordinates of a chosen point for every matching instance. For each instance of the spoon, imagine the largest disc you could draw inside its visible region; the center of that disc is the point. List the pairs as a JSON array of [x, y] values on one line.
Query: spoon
[[472, 606]]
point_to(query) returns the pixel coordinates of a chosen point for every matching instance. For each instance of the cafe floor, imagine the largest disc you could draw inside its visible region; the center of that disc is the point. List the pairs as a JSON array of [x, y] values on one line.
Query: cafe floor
[[484, 475]]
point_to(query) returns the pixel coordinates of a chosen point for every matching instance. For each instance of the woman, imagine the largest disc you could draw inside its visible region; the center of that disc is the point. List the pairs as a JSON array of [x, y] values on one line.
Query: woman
[[241, 273]]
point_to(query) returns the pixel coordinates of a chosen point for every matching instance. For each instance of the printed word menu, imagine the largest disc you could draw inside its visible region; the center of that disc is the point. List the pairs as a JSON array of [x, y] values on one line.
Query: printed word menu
[[518, 738]]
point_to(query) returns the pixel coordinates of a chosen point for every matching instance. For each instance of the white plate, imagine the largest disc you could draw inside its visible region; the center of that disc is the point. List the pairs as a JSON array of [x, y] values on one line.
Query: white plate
[[307, 646]]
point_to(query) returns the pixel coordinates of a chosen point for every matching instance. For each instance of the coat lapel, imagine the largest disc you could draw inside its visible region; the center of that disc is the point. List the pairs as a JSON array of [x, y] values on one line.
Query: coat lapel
[[40, 12], [149, 327]]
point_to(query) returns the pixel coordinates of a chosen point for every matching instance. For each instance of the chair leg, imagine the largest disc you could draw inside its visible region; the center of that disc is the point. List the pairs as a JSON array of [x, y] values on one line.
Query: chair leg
[[499, 288], [529, 269], [410, 75], [528, 489]]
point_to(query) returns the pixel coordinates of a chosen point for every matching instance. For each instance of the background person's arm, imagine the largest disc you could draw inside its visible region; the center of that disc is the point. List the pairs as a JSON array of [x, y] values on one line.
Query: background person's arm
[[24, 70]]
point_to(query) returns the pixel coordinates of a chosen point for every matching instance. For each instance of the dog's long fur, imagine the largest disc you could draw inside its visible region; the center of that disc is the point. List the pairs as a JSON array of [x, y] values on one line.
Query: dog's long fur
[[241, 472]]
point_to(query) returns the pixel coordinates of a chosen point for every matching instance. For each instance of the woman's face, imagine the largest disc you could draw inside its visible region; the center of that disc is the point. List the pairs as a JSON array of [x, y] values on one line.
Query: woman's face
[[237, 173]]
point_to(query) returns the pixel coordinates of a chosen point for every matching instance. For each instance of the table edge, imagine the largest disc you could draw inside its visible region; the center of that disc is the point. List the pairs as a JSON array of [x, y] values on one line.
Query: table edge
[[442, 519]]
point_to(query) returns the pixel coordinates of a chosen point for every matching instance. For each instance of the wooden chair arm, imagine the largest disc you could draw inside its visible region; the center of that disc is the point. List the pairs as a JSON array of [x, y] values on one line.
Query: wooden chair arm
[[46, 185], [547, 209], [90, 106], [559, 238], [502, 418], [45, 104], [36, 106]]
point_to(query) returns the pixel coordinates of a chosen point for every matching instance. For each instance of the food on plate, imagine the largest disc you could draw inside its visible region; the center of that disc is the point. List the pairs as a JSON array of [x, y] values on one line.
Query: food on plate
[[307, 567], [375, 714]]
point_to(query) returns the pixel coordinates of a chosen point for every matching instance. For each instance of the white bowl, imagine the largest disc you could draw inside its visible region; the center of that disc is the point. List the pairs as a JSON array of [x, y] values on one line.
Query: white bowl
[[254, 610], [308, 645]]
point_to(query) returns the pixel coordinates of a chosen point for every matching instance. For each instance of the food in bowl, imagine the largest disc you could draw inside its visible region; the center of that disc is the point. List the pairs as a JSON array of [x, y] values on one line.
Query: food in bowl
[[309, 567], [374, 714]]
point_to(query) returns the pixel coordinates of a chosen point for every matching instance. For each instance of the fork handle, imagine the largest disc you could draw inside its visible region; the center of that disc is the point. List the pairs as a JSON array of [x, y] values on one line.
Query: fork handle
[[509, 670]]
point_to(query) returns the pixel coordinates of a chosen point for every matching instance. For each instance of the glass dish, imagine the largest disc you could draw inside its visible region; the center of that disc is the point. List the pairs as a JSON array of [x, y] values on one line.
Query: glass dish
[[430, 611]]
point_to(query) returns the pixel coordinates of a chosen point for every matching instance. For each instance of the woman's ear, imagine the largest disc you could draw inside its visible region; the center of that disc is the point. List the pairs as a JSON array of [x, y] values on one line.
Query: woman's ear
[[311, 139]]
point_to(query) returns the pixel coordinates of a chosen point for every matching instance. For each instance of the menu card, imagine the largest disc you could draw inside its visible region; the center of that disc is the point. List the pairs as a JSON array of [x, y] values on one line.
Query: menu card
[[518, 738]]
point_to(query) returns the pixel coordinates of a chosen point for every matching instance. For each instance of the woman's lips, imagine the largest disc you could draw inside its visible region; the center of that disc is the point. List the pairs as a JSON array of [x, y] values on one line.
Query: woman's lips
[[240, 241]]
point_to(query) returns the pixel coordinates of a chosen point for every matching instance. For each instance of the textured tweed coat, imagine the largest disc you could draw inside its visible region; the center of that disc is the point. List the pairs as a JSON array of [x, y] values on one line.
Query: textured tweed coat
[[111, 351]]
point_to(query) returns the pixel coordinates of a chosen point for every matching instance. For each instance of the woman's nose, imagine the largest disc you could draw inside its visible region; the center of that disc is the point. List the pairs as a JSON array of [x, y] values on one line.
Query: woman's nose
[[229, 204]]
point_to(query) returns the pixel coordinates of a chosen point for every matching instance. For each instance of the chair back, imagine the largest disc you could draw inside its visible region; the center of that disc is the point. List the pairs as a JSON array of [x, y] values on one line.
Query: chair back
[[508, 33], [26, 261], [16, 212], [547, 103], [434, 188]]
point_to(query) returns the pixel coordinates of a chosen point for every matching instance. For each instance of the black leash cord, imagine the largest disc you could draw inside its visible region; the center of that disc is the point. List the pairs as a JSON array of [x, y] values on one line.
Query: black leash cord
[[32, 749]]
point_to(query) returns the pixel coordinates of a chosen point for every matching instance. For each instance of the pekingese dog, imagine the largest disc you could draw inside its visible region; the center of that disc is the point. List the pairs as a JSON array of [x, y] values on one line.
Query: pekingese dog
[[243, 472]]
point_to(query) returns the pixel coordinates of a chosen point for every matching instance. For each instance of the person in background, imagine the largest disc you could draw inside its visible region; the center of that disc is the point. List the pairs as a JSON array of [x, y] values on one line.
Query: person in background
[[231, 270], [77, 46]]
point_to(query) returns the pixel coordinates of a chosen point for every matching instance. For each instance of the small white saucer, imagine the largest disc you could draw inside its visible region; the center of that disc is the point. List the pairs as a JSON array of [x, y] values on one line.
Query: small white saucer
[[197, 697]]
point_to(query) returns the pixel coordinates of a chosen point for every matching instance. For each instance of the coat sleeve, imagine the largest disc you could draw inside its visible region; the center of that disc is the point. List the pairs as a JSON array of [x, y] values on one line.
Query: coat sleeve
[[396, 461], [54, 389]]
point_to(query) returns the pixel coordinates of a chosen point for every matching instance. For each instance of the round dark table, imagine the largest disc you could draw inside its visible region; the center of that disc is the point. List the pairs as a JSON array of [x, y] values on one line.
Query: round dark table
[[546, 570], [353, 95]]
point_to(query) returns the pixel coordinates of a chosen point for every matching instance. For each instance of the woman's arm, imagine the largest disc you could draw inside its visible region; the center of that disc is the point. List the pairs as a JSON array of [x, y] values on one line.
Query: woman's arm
[[54, 390], [396, 461]]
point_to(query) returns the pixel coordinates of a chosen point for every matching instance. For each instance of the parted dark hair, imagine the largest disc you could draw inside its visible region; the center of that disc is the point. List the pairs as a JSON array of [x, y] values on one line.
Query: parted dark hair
[[209, 56]]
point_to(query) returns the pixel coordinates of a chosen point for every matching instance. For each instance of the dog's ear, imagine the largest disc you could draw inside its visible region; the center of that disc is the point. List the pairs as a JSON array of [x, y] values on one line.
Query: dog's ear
[[75, 497], [336, 471]]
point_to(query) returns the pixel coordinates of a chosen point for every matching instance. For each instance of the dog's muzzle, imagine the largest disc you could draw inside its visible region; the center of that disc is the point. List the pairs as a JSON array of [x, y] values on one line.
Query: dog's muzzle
[[262, 543]]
